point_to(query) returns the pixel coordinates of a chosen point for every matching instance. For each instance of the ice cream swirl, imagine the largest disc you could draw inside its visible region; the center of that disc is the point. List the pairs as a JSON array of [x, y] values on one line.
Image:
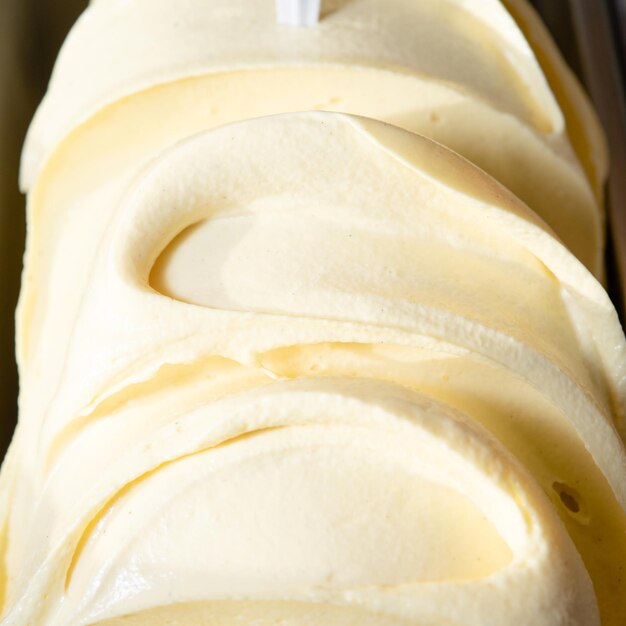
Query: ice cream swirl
[[326, 310]]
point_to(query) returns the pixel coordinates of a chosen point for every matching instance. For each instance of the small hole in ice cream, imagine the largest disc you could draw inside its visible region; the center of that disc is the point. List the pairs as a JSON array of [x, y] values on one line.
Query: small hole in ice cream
[[571, 500]]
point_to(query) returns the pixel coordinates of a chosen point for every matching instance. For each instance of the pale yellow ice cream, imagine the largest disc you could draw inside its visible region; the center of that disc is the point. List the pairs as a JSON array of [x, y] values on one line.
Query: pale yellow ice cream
[[459, 71], [312, 368]]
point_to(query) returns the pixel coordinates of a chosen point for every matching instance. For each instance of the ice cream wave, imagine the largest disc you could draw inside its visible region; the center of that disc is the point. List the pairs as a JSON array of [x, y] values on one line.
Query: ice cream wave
[[464, 76], [325, 427], [400, 194], [410, 226], [421, 228]]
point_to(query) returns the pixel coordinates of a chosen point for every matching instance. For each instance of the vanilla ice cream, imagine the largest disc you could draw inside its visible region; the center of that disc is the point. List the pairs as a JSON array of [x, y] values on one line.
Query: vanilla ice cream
[[312, 368]]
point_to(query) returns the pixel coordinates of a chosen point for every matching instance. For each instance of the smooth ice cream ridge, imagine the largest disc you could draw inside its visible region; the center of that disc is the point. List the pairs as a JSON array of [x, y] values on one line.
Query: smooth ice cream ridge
[[459, 72]]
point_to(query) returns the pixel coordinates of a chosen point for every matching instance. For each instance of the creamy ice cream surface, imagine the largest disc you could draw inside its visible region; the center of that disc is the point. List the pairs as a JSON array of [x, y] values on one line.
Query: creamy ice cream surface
[[457, 71], [300, 367]]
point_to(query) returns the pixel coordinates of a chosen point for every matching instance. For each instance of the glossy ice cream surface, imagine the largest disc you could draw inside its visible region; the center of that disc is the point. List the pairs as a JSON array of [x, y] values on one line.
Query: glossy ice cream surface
[[457, 71], [311, 367]]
